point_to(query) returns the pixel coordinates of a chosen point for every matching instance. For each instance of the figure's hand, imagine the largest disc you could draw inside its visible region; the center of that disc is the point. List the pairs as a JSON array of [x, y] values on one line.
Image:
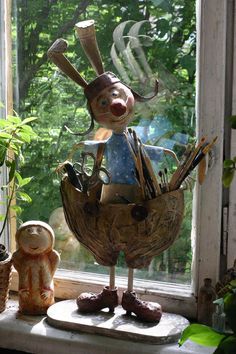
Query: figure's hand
[[24, 293], [46, 294]]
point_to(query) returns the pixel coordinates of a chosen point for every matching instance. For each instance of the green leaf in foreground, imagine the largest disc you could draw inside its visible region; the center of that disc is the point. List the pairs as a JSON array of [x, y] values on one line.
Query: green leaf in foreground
[[227, 346], [202, 335]]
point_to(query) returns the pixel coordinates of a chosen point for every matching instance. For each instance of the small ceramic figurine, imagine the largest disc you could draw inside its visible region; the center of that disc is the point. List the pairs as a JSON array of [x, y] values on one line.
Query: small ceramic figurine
[[36, 262]]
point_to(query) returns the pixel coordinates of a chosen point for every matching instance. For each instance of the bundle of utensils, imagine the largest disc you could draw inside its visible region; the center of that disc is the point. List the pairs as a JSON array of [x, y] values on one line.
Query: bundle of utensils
[[151, 185]]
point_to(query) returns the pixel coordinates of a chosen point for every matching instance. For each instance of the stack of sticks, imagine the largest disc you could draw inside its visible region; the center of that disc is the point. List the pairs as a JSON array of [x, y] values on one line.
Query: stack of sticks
[[151, 185]]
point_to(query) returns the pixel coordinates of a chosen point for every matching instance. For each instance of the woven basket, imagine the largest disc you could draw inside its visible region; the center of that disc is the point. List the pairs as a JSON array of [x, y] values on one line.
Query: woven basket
[[107, 229], [5, 278]]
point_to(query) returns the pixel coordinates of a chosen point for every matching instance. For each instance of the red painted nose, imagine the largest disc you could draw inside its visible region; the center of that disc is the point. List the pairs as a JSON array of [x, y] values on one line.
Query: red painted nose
[[118, 108]]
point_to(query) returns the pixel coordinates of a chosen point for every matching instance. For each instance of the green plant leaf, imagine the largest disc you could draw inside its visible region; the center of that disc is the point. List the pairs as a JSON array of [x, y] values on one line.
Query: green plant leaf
[[202, 335], [19, 178], [24, 197], [227, 346], [228, 176], [24, 137], [28, 120], [17, 209], [27, 130], [233, 283], [14, 119], [25, 181], [5, 123], [233, 121], [229, 163], [4, 135]]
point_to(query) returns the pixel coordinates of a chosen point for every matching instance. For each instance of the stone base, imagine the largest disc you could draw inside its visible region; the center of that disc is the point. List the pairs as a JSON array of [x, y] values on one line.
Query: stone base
[[65, 315]]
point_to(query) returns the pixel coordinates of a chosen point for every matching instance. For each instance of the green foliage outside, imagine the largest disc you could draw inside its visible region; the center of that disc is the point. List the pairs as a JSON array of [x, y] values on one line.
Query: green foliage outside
[[44, 92], [229, 164]]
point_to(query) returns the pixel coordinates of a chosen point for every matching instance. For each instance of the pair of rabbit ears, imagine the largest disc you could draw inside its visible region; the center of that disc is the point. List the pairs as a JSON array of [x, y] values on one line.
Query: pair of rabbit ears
[[87, 36]]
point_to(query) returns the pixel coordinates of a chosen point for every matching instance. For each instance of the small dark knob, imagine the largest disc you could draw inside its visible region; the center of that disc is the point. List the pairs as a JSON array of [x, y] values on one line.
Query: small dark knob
[[139, 212]]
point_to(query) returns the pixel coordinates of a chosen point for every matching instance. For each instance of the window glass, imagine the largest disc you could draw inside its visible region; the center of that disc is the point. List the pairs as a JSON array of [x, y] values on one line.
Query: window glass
[[139, 41]]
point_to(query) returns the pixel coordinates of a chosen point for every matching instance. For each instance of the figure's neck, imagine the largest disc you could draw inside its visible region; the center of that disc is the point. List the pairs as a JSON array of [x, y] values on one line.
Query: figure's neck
[[119, 132]]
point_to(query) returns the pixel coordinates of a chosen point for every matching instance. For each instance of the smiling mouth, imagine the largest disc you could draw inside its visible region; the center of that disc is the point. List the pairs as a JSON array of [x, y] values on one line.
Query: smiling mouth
[[121, 118], [34, 248]]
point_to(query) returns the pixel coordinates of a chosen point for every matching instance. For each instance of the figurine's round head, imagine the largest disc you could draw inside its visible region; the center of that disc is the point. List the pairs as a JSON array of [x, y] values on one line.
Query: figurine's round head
[[111, 102], [35, 237]]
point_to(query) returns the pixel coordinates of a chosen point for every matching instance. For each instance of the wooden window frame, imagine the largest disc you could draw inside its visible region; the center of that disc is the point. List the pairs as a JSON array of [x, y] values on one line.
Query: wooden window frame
[[212, 59]]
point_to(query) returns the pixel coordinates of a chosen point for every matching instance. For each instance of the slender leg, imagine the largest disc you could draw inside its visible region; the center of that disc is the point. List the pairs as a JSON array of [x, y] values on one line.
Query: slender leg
[[130, 279], [112, 277]]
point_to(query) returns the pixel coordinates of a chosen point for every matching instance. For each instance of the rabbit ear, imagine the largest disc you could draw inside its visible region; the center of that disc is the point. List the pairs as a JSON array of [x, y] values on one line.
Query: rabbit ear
[[87, 36], [55, 53]]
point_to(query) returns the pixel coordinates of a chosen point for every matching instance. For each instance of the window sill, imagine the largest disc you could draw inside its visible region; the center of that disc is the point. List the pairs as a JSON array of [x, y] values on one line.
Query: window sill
[[33, 334], [174, 298]]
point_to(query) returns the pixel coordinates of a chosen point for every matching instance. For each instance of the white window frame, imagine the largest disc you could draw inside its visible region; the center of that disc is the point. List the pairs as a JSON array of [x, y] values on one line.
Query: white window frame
[[206, 232], [5, 92], [231, 242]]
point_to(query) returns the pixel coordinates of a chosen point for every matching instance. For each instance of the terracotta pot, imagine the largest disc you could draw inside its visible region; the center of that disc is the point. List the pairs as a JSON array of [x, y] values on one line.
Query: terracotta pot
[[5, 276]]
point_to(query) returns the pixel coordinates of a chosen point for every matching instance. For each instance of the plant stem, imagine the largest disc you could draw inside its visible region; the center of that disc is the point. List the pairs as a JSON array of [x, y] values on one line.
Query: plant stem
[[8, 208]]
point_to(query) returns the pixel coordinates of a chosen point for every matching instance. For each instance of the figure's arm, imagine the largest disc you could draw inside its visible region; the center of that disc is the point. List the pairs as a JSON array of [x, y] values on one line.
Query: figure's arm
[[172, 154], [156, 153], [87, 146], [23, 271], [54, 259], [17, 260], [47, 274]]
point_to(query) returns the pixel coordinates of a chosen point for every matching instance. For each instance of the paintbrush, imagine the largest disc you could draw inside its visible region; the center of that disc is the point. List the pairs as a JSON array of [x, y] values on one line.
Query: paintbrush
[[183, 168], [204, 149], [150, 172], [139, 163], [166, 179]]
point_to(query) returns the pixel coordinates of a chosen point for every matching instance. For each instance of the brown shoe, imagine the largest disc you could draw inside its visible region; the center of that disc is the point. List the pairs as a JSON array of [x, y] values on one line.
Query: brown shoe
[[89, 302], [145, 311]]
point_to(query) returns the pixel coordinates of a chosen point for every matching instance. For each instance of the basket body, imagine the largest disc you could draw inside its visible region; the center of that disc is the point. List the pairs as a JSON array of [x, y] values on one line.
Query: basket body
[[5, 278], [107, 229]]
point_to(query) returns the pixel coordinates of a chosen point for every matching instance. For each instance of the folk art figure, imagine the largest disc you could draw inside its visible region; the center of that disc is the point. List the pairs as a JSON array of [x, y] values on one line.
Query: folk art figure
[[36, 262], [122, 206]]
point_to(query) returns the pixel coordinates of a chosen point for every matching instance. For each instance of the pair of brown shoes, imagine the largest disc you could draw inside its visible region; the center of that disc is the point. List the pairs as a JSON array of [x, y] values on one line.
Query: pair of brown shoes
[[145, 311]]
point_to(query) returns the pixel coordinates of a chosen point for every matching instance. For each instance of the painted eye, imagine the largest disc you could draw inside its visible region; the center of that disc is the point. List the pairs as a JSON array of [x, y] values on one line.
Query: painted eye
[[103, 102], [39, 229], [115, 93]]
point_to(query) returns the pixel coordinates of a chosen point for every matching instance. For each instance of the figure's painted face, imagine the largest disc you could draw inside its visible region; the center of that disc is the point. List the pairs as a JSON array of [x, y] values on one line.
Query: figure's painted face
[[113, 108], [35, 240]]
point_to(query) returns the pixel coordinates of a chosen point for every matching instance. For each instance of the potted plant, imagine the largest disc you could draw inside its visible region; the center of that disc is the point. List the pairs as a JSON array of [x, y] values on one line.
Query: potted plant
[[14, 134], [224, 340]]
